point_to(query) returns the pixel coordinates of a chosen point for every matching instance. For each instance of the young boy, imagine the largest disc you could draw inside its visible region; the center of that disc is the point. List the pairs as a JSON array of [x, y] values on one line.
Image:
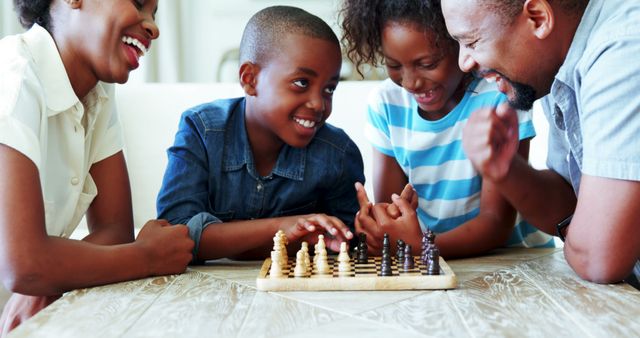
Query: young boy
[[241, 169]]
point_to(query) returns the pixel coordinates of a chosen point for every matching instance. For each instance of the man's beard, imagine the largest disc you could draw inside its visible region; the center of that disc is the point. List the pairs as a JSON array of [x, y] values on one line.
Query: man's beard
[[524, 94]]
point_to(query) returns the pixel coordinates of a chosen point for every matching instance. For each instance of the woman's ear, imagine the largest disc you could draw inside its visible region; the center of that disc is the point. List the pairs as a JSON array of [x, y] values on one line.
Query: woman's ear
[[249, 77], [75, 4]]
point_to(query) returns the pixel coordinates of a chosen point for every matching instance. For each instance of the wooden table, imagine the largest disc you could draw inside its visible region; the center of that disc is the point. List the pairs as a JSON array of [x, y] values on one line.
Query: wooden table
[[511, 292]]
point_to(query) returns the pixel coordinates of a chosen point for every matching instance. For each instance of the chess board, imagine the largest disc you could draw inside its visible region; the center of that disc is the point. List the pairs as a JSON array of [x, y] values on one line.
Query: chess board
[[361, 276]]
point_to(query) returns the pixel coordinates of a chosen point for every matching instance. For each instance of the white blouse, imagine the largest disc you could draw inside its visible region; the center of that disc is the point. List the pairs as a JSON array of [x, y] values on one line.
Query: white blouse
[[41, 117]]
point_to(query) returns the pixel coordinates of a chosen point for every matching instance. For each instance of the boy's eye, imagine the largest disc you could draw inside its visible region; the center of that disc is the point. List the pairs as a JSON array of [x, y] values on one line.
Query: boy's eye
[[138, 3], [301, 83], [330, 90]]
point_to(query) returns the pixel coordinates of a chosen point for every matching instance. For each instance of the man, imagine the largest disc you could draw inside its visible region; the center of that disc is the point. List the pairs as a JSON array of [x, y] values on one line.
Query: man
[[584, 55]]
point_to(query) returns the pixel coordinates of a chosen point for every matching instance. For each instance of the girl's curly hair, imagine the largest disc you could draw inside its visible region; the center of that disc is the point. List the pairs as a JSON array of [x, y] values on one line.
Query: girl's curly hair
[[33, 11], [363, 21]]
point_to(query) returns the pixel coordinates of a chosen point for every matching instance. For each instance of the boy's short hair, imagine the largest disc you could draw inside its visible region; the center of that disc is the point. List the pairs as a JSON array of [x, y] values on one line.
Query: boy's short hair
[[265, 30]]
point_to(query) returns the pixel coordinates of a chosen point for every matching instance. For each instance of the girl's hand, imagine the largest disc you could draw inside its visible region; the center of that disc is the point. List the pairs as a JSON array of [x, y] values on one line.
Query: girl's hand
[[168, 247], [405, 227]]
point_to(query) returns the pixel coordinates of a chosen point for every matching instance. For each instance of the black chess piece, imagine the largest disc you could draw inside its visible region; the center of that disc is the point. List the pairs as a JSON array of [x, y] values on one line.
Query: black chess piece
[[385, 265], [428, 241], [363, 248], [400, 251], [408, 262], [433, 261], [386, 244]]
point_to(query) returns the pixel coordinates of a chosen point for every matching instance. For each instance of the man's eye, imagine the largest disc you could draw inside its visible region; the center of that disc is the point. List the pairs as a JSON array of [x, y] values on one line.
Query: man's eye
[[471, 45], [301, 83]]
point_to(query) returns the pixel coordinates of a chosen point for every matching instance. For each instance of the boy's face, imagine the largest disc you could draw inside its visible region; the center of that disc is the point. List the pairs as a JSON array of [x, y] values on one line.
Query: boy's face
[[416, 63], [506, 52], [293, 91], [113, 35]]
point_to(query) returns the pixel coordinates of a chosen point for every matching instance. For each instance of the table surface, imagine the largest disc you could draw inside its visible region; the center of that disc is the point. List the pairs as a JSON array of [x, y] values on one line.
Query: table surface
[[510, 292]]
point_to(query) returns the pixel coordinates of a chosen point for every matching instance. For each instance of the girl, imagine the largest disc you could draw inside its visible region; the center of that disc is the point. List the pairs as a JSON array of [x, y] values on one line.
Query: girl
[[61, 154], [415, 125]]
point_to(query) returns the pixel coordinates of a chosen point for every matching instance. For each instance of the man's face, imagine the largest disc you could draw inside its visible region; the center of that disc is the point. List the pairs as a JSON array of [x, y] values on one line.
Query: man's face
[[495, 48]]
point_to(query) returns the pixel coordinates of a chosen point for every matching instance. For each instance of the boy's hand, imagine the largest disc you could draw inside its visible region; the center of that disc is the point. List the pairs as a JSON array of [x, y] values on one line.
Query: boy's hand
[[490, 140], [308, 227], [168, 248], [19, 308]]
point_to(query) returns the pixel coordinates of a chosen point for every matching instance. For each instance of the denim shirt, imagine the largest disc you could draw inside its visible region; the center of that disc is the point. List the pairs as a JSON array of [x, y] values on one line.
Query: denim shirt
[[594, 105], [211, 173]]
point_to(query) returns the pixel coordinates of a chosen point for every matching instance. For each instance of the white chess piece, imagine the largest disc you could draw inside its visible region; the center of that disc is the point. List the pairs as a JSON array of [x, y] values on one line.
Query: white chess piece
[[344, 259], [307, 259], [276, 266], [300, 270]]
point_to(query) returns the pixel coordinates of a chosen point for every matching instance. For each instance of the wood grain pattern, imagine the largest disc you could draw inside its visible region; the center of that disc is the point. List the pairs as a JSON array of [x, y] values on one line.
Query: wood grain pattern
[[509, 293]]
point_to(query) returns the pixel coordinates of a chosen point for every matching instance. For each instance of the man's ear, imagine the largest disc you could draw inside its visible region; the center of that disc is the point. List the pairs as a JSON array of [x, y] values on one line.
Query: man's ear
[[249, 77], [540, 16], [75, 4]]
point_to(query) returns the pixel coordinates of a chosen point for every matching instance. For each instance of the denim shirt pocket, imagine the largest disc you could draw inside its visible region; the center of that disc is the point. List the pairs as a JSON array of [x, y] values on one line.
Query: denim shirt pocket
[[224, 216], [309, 208]]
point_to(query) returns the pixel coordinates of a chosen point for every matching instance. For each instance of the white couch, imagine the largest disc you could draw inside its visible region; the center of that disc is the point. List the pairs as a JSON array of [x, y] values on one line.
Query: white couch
[[150, 113]]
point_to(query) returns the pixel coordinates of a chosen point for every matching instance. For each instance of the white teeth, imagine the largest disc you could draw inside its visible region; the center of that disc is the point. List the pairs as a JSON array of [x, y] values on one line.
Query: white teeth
[[490, 79], [136, 43], [305, 123]]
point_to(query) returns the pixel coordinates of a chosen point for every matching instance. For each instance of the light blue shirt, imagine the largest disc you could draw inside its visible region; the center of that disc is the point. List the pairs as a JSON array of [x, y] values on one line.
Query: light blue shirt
[[597, 93], [594, 105]]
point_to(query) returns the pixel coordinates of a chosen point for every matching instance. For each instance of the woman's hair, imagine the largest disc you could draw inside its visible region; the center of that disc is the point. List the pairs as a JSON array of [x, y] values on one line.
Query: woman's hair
[[33, 11], [363, 21]]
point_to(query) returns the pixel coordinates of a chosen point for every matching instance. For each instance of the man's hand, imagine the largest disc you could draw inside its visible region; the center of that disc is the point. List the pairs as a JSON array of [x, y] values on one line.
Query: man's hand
[[490, 140]]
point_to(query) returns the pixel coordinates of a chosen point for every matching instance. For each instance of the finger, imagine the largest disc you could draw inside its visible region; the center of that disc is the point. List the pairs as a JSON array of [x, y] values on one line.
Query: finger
[[414, 200], [407, 192], [393, 211], [342, 228], [403, 205], [361, 195], [381, 216]]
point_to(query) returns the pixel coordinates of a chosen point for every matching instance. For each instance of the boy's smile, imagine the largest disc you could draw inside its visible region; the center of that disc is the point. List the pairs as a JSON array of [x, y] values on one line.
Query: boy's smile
[[293, 93]]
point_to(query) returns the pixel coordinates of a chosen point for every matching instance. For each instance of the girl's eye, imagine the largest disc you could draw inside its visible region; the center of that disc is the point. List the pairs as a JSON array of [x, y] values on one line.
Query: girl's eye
[[138, 3], [428, 65], [301, 83]]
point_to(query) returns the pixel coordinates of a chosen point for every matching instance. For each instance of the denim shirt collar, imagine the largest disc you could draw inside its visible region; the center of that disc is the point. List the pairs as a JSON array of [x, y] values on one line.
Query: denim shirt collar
[[290, 163]]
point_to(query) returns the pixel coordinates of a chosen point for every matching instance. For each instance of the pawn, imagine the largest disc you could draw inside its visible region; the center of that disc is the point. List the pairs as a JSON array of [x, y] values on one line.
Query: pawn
[[400, 251], [385, 265], [276, 265], [343, 258], [363, 249], [433, 262], [408, 263], [301, 269], [386, 244], [322, 266]]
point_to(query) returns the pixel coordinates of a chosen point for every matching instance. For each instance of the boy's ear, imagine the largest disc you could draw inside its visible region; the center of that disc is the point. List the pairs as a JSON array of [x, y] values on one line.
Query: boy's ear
[[249, 77], [75, 4]]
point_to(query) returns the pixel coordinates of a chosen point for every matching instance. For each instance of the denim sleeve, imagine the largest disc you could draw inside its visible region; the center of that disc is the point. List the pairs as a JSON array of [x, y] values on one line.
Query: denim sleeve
[[196, 226], [185, 186], [341, 201]]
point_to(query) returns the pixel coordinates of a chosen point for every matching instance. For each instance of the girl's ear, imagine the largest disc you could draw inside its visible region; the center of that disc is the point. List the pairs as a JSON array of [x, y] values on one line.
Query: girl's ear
[[75, 4], [249, 77]]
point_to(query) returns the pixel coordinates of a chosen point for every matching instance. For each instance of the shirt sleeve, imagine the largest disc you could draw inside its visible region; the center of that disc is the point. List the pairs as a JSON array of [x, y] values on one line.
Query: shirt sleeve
[[341, 200], [377, 128], [22, 110], [609, 100], [185, 186]]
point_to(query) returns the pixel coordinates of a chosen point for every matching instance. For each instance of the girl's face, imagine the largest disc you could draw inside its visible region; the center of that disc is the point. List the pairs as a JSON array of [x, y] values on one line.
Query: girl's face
[[417, 64], [109, 37]]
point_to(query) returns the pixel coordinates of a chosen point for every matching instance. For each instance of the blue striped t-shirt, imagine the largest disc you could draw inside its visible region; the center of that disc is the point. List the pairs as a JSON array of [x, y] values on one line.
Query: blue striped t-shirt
[[430, 154]]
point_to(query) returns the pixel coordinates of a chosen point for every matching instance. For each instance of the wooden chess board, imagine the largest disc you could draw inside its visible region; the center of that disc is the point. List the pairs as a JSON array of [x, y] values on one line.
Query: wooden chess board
[[361, 276]]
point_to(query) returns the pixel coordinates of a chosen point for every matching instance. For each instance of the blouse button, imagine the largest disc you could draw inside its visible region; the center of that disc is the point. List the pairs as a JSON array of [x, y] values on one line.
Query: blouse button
[[259, 187], [75, 181]]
